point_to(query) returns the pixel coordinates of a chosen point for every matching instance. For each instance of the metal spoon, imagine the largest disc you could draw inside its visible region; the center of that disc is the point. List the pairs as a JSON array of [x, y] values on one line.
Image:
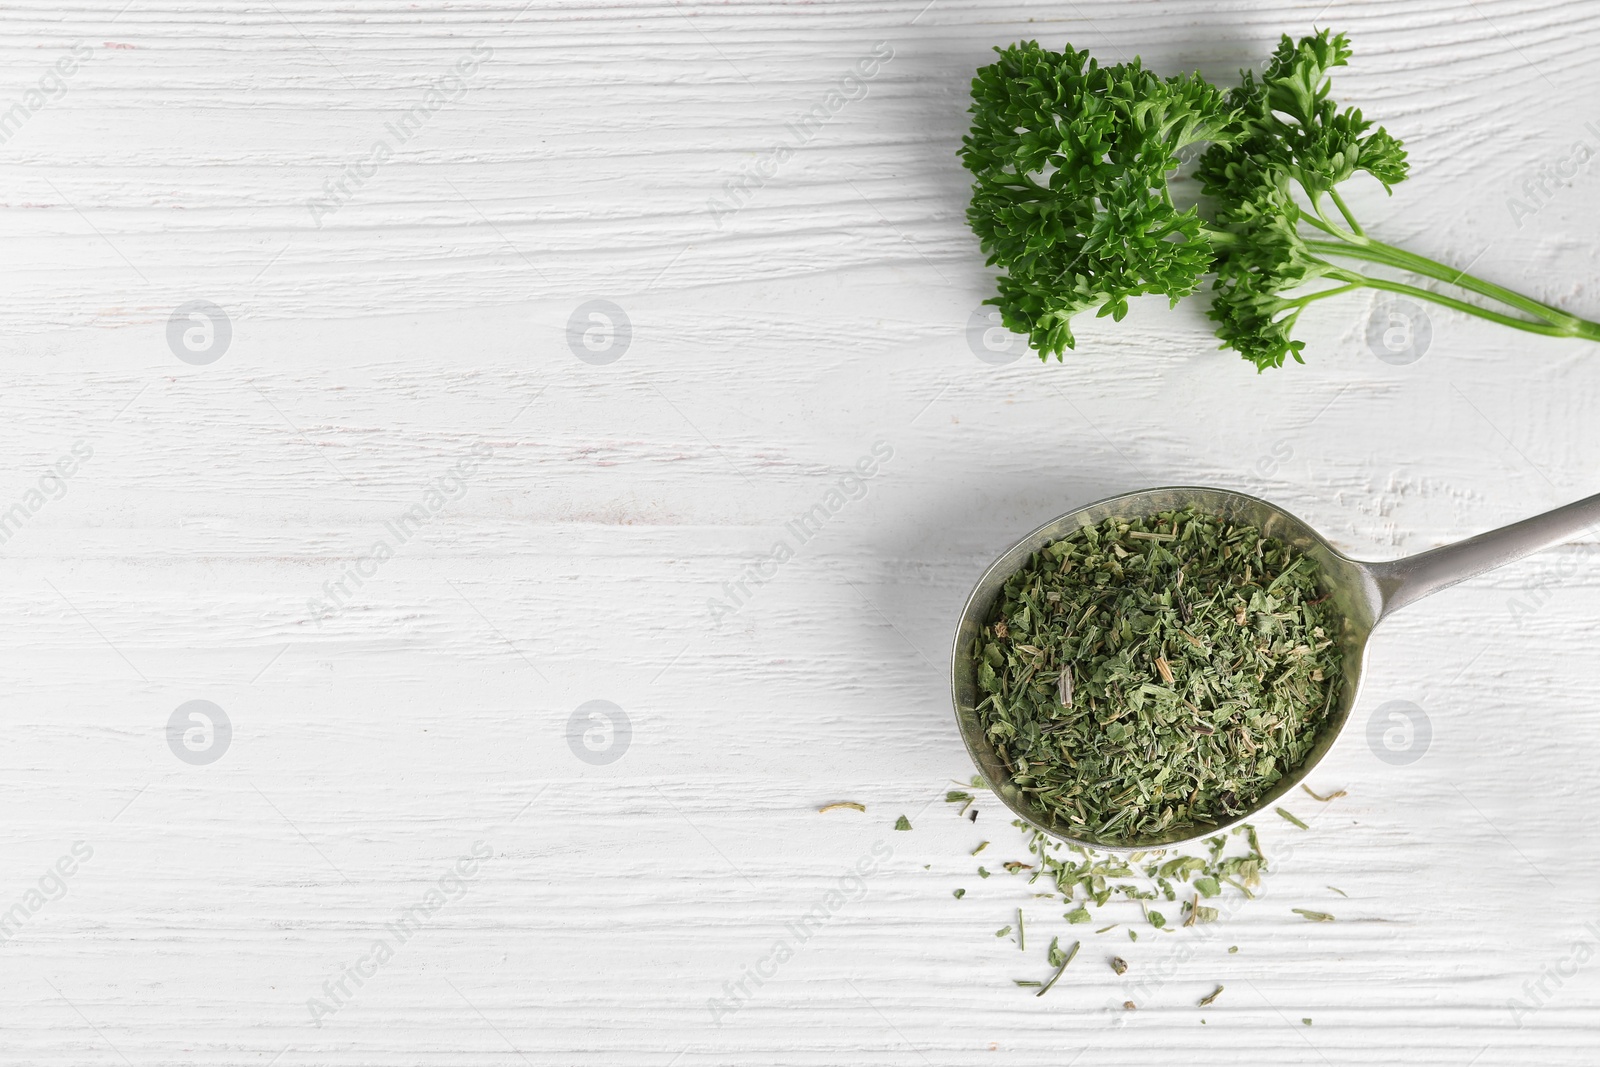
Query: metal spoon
[[1364, 594]]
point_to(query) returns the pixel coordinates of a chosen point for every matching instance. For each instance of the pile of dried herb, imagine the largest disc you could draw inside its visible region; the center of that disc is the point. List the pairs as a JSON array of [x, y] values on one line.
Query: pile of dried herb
[[1146, 675]]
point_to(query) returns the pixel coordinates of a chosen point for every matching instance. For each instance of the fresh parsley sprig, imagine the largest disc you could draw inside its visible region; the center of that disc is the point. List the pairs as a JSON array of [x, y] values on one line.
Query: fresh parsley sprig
[[1071, 162]]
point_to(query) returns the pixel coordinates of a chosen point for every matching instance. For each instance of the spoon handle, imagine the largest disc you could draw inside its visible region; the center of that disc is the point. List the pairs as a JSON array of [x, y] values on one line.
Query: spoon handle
[[1403, 580]]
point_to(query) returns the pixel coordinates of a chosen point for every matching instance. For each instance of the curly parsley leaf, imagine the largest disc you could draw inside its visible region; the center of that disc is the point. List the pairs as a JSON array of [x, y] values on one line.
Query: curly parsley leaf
[[1071, 161], [1289, 134]]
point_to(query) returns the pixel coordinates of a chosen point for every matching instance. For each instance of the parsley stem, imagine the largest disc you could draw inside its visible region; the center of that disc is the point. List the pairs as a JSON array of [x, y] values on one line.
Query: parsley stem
[[1565, 323], [1338, 202], [1355, 244], [1322, 294], [1321, 221], [1546, 328]]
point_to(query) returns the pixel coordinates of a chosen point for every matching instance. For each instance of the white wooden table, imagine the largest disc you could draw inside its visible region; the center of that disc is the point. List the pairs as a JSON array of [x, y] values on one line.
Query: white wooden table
[[252, 526]]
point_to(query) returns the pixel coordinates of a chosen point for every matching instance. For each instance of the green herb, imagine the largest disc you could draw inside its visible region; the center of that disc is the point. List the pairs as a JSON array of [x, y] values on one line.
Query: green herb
[[1336, 889], [1022, 935], [959, 893], [981, 846], [1103, 929], [1233, 618], [1003, 931], [1305, 1022], [1071, 164], [1331, 796], [1119, 965], [1290, 816], [1211, 997], [1077, 915], [902, 823], [1025, 982], [982, 873], [1066, 959], [1313, 916], [852, 805], [1241, 887], [1232, 949]]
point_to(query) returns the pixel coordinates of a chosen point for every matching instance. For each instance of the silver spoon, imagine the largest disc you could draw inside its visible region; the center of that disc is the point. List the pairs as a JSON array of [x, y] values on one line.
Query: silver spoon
[[1364, 594]]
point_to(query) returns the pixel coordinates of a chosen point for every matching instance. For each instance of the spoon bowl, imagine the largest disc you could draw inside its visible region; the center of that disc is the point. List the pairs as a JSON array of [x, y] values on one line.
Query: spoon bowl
[[1361, 594]]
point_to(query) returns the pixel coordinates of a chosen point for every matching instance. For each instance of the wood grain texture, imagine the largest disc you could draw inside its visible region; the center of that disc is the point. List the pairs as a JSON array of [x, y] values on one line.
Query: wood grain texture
[[376, 346]]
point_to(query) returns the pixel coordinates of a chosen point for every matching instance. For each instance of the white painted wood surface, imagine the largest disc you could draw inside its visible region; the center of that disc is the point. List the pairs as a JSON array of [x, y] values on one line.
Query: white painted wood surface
[[377, 342]]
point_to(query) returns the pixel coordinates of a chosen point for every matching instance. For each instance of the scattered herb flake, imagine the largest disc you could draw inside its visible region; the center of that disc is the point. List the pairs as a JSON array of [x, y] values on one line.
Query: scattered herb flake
[[1336, 889], [1331, 796], [852, 805], [1211, 997], [902, 823], [959, 797], [1119, 965], [981, 846], [1313, 916], [1087, 879], [959, 893], [1071, 952], [1289, 815]]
